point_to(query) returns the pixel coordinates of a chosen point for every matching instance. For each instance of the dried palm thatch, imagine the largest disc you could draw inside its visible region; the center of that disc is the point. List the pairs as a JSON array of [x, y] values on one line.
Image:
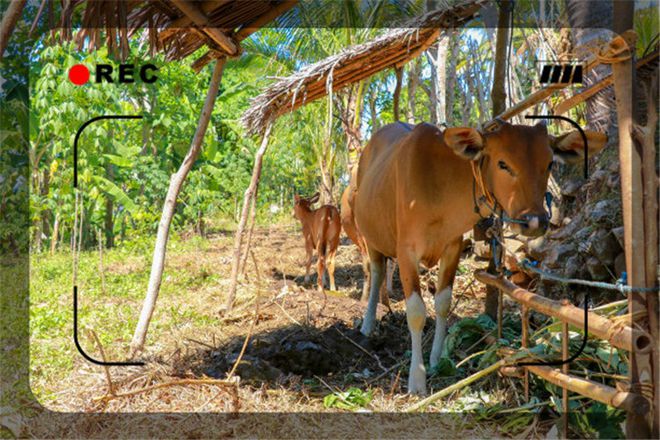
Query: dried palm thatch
[[177, 28], [392, 49]]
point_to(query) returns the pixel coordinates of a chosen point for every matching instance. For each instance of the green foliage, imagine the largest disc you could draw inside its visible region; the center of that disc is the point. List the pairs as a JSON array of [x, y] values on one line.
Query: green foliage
[[351, 399]]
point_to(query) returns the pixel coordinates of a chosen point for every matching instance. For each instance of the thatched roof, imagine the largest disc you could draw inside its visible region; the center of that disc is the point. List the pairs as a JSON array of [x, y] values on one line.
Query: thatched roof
[[176, 27], [392, 49]]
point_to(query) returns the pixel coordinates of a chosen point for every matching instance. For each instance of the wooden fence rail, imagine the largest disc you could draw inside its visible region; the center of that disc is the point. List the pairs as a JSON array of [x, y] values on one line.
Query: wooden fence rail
[[620, 336]]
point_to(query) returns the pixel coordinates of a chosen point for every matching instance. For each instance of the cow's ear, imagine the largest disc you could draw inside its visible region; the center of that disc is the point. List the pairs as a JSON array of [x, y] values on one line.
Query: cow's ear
[[466, 142], [569, 147], [314, 198]]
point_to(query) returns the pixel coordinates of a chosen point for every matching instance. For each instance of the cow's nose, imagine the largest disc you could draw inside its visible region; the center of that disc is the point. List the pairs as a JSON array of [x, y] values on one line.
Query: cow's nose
[[535, 225]]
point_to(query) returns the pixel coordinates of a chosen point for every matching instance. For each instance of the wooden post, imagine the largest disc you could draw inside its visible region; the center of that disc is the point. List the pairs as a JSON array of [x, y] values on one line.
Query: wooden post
[[641, 369], [525, 344], [564, 369], [176, 182], [240, 230]]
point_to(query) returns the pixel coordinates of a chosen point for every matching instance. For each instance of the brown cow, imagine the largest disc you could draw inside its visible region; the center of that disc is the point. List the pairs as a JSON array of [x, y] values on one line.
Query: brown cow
[[352, 231], [415, 200], [321, 228]]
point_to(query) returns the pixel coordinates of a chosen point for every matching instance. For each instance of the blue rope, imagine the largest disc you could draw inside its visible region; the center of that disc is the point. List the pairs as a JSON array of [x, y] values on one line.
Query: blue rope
[[620, 285]]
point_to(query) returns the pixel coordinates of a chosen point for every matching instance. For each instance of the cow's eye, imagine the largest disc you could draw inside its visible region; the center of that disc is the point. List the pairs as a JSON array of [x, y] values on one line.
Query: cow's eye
[[505, 167], [550, 165]]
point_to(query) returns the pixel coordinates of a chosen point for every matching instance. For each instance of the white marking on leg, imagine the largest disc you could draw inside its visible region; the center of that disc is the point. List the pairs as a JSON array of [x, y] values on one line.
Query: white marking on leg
[[369, 320], [442, 301], [416, 316]]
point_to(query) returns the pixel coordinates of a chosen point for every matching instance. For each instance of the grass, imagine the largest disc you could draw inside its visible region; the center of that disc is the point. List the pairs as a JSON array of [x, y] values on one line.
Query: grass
[[111, 306]]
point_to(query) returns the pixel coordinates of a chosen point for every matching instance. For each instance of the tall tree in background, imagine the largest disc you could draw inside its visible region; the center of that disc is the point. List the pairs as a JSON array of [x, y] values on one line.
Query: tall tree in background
[[589, 21], [498, 93]]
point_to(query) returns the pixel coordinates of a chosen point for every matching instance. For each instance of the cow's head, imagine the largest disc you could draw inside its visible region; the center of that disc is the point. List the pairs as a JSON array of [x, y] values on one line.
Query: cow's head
[[515, 161], [303, 204]]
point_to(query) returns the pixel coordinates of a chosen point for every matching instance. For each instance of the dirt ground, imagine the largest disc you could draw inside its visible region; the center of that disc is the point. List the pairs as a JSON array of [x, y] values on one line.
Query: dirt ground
[[301, 347]]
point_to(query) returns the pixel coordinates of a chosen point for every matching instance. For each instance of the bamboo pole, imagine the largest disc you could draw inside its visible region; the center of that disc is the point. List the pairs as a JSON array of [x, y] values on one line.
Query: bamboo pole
[[537, 96], [620, 336], [564, 369], [641, 364], [574, 100], [631, 402], [525, 344], [240, 230]]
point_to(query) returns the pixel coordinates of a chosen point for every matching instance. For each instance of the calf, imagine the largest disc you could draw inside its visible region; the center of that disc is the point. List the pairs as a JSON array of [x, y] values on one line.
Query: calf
[[321, 228], [419, 189]]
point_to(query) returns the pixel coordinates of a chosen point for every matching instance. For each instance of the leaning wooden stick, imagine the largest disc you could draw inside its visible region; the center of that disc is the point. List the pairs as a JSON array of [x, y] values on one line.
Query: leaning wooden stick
[[467, 381]]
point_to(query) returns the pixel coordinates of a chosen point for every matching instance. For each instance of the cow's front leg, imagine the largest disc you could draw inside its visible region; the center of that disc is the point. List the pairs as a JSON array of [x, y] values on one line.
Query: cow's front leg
[[376, 265], [416, 317], [442, 300]]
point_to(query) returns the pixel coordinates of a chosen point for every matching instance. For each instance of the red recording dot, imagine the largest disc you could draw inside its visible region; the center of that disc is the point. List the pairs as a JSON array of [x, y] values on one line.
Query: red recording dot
[[79, 74]]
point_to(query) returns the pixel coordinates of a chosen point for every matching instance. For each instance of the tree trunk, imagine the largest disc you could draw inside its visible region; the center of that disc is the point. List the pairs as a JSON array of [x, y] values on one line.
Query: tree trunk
[[54, 236], [9, 19], [397, 92], [350, 108], [413, 81], [326, 168], [590, 21], [240, 230], [375, 121], [451, 79], [441, 82], [498, 98], [109, 211], [176, 182], [498, 95]]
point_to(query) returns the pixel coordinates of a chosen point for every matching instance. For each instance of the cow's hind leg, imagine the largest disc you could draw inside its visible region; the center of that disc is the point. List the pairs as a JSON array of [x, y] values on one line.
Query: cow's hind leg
[[442, 300], [376, 263], [416, 317], [308, 263], [366, 270], [387, 291], [321, 267], [331, 268]]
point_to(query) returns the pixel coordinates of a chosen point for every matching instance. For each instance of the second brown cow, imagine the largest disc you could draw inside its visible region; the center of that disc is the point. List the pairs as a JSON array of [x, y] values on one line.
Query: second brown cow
[[321, 228]]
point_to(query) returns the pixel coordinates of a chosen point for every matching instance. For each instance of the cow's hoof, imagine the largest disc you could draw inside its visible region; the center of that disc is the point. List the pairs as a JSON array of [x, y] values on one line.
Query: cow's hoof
[[417, 381], [367, 328]]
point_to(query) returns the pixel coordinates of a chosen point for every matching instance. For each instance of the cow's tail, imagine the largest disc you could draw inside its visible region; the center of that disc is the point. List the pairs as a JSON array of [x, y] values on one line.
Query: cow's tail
[[323, 235]]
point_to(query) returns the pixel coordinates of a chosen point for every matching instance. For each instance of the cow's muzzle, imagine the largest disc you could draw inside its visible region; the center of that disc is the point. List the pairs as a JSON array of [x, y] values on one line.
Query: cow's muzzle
[[532, 225]]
